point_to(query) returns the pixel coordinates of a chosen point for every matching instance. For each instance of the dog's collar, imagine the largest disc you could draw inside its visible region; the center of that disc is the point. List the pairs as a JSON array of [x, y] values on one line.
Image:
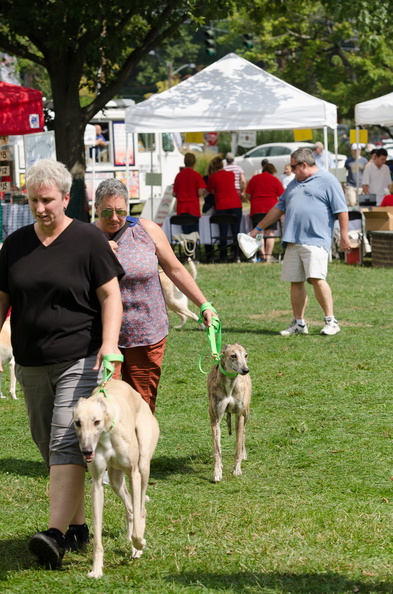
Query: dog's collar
[[103, 391], [220, 367]]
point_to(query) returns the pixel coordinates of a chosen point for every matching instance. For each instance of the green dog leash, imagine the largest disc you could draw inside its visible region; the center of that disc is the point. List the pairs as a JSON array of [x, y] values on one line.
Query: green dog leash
[[214, 338], [108, 371]]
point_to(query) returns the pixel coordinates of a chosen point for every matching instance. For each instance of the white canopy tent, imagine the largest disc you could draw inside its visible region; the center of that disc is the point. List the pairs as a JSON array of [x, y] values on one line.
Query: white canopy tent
[[230, 95], [378, 111]]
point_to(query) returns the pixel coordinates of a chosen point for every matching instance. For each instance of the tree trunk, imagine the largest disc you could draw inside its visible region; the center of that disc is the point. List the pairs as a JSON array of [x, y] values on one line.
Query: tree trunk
[[69, 128]]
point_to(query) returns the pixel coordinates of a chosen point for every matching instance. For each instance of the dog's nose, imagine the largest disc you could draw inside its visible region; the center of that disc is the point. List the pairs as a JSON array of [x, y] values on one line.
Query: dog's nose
[[87, 452], [245, 370]]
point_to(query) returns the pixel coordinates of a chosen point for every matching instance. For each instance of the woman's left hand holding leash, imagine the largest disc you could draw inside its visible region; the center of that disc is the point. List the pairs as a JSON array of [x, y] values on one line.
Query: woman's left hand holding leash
[[207, 313]]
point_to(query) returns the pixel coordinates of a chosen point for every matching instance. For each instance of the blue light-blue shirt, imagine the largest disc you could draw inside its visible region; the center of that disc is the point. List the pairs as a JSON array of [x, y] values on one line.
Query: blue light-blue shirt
[[309, 207]]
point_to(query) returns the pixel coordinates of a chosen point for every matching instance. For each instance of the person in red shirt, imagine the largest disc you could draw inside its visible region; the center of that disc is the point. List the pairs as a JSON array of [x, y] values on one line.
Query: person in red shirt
[[188, 189], [388, 199], [221, 183], [263, 191]]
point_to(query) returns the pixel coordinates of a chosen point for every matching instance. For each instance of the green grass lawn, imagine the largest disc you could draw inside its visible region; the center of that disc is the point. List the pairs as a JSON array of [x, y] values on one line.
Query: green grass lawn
[[312, 512]]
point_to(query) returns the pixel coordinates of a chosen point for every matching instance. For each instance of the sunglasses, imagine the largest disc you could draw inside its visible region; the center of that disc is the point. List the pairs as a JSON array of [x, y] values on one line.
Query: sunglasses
[[106, 213], [293, 167]]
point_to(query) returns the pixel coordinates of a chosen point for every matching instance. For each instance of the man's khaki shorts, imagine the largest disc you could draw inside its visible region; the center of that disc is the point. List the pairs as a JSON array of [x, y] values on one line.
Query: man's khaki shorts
[[302, 262]]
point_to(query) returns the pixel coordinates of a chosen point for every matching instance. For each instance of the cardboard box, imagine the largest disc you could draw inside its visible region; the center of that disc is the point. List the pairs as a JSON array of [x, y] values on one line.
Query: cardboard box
[[379, 218]]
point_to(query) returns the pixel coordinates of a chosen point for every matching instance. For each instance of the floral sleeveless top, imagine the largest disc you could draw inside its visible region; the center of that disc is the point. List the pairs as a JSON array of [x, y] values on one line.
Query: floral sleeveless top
[[145, 319]]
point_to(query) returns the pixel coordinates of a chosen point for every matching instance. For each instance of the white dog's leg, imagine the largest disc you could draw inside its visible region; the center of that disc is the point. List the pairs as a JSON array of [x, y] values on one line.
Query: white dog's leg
[[1, 378], [119, 486], [240, 445], [216, 433], [97, 497], [12, 378], [183, 320], [138, 541]]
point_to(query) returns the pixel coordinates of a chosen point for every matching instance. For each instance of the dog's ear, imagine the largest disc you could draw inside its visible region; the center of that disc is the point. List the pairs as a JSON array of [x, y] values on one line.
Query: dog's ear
[[103, 402]]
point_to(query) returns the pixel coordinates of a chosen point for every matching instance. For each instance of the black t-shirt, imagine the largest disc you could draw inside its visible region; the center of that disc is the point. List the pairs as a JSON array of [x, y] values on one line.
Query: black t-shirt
[[56, 315]]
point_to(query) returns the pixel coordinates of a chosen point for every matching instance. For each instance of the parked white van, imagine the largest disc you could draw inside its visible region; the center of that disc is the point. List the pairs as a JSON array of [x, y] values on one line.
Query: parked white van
[[146, 163]]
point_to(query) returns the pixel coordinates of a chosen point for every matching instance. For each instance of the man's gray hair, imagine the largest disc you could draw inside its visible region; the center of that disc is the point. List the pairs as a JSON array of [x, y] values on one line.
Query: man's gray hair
[[46, 173], [111, 187], [303, 155]]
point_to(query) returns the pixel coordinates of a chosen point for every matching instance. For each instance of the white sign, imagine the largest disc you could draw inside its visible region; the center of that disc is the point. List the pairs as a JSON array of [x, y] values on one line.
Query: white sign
[[39, 146], [34, 120], [165, 207], [247, 139], [159, 208], [89, 137]]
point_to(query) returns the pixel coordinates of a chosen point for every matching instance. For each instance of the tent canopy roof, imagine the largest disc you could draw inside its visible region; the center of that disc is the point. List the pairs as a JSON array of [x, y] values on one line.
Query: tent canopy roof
[[21, 110], [231, 94], [376, 111]]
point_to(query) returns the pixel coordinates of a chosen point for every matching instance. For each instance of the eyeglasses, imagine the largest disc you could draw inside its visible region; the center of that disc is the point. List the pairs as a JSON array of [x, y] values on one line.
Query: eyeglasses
[[293, 167], [106, 213]]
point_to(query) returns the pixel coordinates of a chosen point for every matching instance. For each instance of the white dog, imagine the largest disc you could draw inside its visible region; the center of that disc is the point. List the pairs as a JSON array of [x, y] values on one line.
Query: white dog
[[117, 430], [7, 357], [229, 389], [176, 300]]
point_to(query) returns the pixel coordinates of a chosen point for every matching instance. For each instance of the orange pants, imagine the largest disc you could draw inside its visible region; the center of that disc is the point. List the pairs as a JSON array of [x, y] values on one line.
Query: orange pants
[[141, 369]]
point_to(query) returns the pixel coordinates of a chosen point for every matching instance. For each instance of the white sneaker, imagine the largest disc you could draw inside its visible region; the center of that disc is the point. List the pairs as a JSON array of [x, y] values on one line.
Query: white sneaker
[[294, 328], [331, 327]]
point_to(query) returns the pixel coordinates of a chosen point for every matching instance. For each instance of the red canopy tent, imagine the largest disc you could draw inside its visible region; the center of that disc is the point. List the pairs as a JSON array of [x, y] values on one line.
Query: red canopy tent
[[21, 110]]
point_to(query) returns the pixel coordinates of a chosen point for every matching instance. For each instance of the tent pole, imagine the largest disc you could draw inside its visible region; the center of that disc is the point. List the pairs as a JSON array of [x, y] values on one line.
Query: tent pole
[[233, 142], [357, 136], [127, 174], [93, 175], [325, 142]]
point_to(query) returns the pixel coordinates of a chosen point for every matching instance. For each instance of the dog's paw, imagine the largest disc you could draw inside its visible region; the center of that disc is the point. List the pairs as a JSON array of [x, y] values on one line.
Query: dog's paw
[[136, 554], [237, 470], [95, 573]]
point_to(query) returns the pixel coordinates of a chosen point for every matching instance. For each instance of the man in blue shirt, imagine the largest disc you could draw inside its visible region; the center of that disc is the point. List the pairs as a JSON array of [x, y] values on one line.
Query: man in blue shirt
[[310, 204]]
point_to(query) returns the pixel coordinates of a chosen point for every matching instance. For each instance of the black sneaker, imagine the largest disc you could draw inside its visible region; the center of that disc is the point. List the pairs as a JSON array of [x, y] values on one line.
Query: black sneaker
[[48, 547], [76, 537]]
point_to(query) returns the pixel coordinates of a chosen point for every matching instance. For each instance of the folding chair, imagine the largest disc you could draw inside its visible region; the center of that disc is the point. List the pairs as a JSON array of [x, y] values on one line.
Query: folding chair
[[221, 219], [356, 232], [367, 200], [187, 245]]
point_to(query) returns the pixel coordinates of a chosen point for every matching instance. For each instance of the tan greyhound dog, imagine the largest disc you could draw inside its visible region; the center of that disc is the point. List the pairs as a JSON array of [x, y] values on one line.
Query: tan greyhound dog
[[229, 389], [6, 356], [117, 431]]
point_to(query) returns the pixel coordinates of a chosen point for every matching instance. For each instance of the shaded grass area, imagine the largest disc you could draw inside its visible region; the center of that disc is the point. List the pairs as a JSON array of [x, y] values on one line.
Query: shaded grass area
[[312, 512]]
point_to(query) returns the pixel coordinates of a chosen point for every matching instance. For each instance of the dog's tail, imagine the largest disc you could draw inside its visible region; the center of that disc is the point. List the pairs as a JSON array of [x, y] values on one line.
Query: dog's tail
[[193, 270], [229, 424]]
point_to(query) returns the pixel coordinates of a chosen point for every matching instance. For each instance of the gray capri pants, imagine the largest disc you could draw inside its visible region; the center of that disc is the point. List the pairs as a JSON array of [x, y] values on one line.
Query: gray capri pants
[[51, 392]]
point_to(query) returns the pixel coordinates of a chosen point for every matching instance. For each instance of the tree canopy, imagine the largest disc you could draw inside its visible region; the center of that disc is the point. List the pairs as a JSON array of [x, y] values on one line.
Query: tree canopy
[[337, 50], [92, 45], [334, 49]]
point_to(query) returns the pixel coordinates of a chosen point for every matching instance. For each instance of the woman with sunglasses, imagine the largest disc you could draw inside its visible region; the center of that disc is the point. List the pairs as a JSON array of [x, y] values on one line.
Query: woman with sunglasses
[[142, 247]]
